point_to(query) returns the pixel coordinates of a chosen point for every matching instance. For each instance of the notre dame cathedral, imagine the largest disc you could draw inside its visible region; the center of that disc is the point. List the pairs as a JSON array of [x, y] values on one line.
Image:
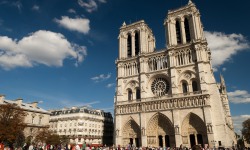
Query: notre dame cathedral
[[170, 97]]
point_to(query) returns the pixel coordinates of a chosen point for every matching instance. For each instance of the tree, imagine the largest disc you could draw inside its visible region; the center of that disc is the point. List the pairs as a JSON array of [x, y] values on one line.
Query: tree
[[53, 139], [20, 140], [64, 140], [42, 135], [11, 123], [46, 136], [246, 130]]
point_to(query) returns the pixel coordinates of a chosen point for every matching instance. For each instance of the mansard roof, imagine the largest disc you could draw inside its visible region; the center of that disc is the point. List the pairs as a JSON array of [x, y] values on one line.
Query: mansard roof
[[82, 109], [25, 106]]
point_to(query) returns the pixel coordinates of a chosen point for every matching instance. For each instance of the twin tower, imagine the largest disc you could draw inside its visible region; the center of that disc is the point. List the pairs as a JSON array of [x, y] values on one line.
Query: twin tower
[[170, 97]]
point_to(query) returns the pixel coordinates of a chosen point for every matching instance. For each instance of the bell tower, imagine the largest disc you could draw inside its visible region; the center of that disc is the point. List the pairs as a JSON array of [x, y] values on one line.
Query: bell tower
[[183, 26], [187, 48], [135, 39]]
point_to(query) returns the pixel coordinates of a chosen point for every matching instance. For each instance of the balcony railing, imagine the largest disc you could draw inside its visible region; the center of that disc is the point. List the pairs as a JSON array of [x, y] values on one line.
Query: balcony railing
[[169, 96], [188, 100]]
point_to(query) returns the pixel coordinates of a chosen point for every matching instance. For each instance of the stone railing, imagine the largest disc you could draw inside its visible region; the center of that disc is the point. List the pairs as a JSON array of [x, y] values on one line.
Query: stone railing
[[166, 103], [169, 96]]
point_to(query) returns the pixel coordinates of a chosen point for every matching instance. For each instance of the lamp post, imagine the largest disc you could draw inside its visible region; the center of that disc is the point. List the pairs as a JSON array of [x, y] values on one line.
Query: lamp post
[[214, 142]]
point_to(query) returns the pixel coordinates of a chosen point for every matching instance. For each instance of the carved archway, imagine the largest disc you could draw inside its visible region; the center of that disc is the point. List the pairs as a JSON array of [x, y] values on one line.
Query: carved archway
[[160, 126], [193, 130], [131, 130]]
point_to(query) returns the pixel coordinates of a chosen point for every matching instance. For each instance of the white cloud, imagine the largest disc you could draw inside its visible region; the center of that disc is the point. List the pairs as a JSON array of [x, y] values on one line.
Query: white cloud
[[102, 1], [41, 47], [17, 4], [224, 46], [36, 8], [239, 96], [224, 69], [68, 103], [90, 5], [78, 24], [238, 122], [72, 11], [110, 85], [101, 77]]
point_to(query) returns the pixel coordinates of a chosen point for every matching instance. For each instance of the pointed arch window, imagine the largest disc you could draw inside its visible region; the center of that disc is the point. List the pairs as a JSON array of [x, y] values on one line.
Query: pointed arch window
[[138, 93], [184, 87], [129, 46], [130, 95], [178, 32], [194, 86], [187, 30], [137, 43]]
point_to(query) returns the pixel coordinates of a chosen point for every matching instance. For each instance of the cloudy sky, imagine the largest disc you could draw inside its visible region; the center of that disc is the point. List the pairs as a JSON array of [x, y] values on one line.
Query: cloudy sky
[[62, 52]]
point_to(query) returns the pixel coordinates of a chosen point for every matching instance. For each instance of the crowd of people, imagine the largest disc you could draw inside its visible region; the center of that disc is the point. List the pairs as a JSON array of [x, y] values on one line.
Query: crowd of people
[[85, 146]]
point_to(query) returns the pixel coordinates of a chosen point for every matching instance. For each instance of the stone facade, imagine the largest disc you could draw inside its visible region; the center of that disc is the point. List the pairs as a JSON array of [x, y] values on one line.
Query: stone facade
[[170, 97], [36, 118], [83, 124]]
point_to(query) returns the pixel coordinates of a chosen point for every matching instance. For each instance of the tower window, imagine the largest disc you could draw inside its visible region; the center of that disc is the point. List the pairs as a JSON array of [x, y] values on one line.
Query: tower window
[[137, 43], [187, 30], [178, 32], [138, 93], [130, 94], [129, 46], [194, 86], [184, 87]]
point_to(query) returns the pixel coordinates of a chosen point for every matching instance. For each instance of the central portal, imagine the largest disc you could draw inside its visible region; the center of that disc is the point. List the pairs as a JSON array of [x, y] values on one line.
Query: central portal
[[160, 141]]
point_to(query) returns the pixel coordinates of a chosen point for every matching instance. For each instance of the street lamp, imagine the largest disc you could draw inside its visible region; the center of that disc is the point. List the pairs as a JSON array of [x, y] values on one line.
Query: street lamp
[[214, 142]]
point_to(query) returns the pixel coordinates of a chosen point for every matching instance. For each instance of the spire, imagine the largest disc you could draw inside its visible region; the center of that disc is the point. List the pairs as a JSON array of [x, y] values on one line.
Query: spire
[[222, 84], [190, 2], [124, 23], [222, 81]]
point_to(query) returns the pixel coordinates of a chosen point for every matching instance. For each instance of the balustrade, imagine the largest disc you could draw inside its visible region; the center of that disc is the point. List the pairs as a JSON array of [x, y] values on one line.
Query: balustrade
[[156, 104]]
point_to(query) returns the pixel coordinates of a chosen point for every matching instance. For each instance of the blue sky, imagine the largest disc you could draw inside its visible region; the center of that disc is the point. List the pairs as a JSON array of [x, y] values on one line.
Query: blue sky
[[62, 52]]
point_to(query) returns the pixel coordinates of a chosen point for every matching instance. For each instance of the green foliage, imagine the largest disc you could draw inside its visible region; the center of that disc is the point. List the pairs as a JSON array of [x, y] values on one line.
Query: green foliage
[[246, 130]]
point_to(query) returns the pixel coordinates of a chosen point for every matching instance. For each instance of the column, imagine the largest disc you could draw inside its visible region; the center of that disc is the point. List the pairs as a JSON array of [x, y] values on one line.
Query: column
[[194, 28], [133, 44], [183, 33], [196, 140], [163, 140]]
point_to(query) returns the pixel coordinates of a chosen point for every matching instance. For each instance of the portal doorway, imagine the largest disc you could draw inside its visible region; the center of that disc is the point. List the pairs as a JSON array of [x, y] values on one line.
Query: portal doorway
[[200, 139], [131, 141], [167, 141], [160, 141], [137, 142], [192, 140]]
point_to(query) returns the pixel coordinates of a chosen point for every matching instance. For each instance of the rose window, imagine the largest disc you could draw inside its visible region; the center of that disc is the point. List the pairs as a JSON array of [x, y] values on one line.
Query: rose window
[[160, 87]]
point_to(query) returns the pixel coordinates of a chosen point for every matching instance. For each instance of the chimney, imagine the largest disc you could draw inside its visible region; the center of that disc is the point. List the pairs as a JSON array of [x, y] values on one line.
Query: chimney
[[19, 101], [34, 104], [2, 97]]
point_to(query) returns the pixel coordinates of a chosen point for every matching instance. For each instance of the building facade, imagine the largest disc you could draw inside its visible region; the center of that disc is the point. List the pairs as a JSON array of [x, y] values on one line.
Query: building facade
[[82, 124], [170, 97], [36, 118]]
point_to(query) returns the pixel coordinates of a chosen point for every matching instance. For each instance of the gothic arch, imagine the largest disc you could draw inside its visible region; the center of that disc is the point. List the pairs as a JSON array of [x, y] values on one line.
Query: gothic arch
[[178, 31], [184, 86], [160, 126], [132, 84], [193, 130], [131, 130]]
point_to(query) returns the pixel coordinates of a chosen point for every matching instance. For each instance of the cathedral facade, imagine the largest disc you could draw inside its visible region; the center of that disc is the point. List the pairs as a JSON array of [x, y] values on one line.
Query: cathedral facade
[[170, 97]]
